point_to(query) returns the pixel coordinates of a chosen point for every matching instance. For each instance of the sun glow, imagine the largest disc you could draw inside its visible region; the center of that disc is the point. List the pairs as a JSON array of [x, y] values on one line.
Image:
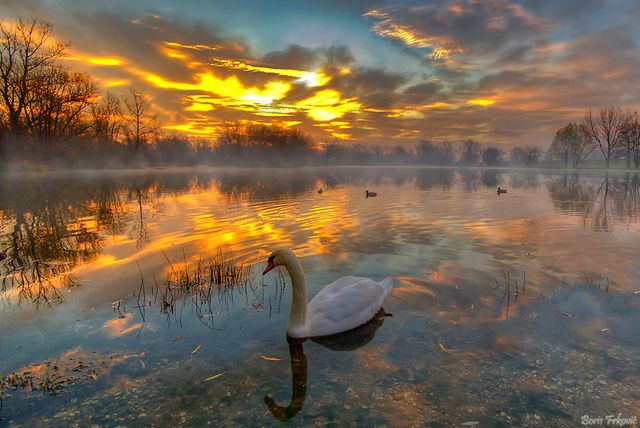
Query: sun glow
[[309, 78], [327, 105], [481, 102], [110, 62]]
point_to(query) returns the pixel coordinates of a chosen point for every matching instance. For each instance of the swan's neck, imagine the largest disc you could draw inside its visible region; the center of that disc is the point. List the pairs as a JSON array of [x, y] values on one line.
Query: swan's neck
[[298, 314]]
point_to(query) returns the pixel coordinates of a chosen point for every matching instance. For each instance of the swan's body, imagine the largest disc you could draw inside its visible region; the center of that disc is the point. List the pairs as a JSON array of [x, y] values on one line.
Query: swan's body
[[340, 306]]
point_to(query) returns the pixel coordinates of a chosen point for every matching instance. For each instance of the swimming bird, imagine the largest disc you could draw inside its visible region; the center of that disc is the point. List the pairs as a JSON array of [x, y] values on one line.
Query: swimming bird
[[347, 341], [369, 194], [320, 190], [343, 305], [501, 190]]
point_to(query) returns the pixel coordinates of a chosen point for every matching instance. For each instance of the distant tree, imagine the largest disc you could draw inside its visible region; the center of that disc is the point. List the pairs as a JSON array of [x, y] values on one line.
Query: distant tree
[[400, 154], [559, 148], [107, 119], [245, 144], [141, 122], [276, 137], [579, 146], [230, 133], [605, 130], [448, 152], [27, 55], [571, 143], [174, 150], [631, 138], [471, 152], [527, 155], [427, 152], [492, 156]]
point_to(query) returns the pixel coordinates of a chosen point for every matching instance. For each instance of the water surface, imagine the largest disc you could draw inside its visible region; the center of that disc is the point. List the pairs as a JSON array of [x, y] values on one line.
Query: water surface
[[519, 308]]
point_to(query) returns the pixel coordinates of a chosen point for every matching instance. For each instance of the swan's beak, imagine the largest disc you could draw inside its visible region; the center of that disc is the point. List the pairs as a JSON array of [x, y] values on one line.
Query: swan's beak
[[269, 267]]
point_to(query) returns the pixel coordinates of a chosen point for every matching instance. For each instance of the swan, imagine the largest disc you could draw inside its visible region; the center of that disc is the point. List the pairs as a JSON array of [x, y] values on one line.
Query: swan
[[347, 341], [343, 305]]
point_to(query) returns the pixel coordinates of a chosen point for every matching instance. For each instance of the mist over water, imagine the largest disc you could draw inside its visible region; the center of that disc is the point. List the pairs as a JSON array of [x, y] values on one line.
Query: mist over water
[[465, 343]]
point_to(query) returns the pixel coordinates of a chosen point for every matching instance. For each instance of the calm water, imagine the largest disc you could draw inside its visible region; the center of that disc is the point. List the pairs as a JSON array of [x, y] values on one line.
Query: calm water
[[519, 309]]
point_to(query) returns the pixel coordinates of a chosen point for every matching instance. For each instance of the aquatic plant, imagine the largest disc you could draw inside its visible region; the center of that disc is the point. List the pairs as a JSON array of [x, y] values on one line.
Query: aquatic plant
[[200, 283], [512, 289]]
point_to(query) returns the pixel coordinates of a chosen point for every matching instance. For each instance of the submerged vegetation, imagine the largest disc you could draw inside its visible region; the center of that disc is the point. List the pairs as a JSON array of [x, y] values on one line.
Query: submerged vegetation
[[512, 289]]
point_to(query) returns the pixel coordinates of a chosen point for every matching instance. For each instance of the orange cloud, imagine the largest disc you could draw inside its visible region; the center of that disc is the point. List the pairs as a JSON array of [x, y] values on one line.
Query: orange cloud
[[121, 326]]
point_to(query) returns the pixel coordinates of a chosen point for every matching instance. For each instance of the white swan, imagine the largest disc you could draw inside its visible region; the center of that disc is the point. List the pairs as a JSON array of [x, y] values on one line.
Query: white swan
[[343, 305]]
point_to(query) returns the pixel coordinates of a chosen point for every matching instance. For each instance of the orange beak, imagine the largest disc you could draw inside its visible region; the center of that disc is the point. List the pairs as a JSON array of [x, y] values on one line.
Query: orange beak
[[268, 268]]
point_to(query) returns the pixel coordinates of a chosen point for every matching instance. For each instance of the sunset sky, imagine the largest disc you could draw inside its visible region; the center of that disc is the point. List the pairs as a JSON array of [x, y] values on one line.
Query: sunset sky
[[502, 71]]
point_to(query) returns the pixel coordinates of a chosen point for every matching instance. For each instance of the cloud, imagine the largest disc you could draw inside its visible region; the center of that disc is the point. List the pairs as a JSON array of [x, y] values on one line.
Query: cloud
[[422, 93], [463, 27], [293, 56]]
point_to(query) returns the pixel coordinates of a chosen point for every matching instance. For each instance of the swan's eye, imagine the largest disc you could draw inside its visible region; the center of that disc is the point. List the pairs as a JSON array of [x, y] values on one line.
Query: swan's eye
[[270, 259]]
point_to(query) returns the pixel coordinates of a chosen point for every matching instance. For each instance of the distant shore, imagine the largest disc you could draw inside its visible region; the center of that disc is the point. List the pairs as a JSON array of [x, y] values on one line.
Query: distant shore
[[44, 170]]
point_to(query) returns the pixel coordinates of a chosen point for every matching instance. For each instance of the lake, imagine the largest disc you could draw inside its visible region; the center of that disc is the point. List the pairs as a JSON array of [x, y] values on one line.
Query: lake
[[514, 309]]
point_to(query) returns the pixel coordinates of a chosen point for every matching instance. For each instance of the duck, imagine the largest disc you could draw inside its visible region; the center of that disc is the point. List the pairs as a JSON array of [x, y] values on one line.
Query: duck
[[370, 194], [501, 190], [343, 305], [320, 190]]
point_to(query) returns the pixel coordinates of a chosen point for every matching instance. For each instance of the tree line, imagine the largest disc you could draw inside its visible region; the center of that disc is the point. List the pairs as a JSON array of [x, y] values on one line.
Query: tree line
[[610, 132]]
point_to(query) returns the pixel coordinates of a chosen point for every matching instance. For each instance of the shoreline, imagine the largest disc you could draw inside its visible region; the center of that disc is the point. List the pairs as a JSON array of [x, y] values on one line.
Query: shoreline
[[44, 172]]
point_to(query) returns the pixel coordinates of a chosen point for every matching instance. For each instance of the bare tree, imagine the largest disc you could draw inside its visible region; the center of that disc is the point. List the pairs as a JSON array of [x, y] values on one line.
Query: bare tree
[[571, 143], [56, 107], [230, 133], [448, 152], [527, 155], [559, 148], [580, 146], [471, 152], [141, 121], [26, 49], [107, 119], [605, 130], [429, 152], [492, 156], [631, 138]]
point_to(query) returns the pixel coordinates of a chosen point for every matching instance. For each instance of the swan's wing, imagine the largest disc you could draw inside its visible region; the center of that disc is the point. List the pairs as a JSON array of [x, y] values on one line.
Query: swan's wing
[[339, 284], [343, 305]]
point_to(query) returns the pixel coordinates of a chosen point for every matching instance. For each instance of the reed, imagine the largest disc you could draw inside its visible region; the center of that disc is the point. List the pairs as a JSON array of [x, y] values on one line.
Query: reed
[[512, 288], [202, 284]]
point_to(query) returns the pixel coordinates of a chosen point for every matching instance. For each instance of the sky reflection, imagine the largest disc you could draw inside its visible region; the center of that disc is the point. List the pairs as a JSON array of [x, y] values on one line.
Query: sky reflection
[[444, 233]]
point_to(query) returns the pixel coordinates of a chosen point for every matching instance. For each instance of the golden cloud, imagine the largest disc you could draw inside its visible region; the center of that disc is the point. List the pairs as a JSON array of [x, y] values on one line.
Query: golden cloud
[[328, 105], [309, 78]]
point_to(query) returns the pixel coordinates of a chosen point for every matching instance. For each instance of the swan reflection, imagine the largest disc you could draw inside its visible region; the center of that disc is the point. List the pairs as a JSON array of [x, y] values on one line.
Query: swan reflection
[[347, 341]]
